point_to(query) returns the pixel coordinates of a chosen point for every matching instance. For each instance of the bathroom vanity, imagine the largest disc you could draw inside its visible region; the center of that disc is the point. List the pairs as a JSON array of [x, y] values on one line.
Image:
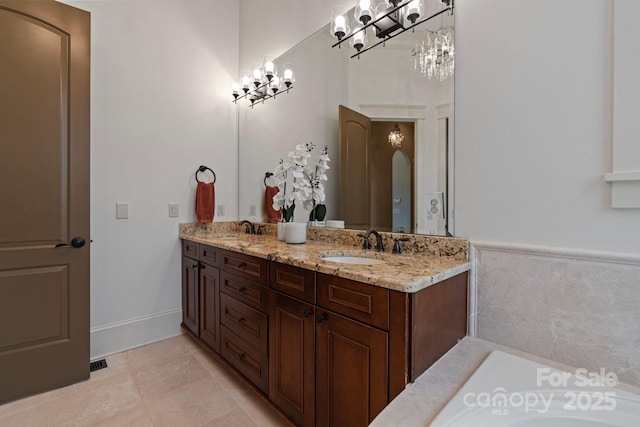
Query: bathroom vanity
[[326, 343]]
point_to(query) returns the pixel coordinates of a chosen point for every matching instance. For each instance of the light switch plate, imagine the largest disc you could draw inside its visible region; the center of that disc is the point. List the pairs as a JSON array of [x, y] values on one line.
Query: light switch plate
[[174, 210], [122, 210]]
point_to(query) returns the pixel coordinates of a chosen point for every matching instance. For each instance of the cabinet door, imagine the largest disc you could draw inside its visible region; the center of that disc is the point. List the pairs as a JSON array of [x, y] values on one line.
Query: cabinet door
[[190, 299], [351, 371], [292, 357], [210, 306]]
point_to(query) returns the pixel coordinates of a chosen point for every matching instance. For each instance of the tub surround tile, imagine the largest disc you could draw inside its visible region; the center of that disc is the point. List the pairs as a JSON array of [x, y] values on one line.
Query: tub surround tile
[[411, 271], [575, 307]]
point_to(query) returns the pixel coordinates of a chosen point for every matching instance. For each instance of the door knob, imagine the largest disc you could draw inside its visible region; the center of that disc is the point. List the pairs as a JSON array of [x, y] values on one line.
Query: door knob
[[76, 242]]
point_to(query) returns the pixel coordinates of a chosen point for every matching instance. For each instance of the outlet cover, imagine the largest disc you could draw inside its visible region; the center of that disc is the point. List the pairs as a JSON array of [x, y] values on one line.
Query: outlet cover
[[122, 210], [220, 210], [252, 210], [174, 210]]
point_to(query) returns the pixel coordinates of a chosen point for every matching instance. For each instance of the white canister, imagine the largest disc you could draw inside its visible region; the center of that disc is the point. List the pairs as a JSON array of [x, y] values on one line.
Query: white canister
[[282, 231], [296, 232]]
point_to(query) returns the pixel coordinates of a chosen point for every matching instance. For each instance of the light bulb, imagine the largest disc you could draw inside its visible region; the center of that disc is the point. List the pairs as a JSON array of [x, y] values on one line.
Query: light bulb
[[246, 81]]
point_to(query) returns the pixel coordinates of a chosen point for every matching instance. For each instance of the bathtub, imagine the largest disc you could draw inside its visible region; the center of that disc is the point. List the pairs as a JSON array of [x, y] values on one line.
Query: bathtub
[[507, 390]]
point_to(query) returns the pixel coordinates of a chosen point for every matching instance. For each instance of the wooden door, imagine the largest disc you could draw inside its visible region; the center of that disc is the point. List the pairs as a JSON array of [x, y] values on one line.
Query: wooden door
[[44, 196], [190, 295], [354, 137], [209, 284], [292, 357], [351, 371]]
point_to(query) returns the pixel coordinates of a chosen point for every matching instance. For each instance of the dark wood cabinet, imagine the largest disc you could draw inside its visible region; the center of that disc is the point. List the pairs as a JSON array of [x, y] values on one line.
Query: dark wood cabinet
[[200, 292], [292, 367], [351, 371], [209, 282], [327, 351], [190, 297], [317, 355]]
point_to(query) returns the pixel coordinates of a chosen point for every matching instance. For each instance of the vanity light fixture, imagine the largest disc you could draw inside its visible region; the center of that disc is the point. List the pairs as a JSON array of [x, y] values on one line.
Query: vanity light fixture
[[396, 137], [263, 82], [385, 18]]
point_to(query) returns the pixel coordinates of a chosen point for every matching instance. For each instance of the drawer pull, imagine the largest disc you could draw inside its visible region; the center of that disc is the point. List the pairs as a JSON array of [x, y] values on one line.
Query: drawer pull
[[241, 356], [241, 319], [241, 265], [203, 266], [321, 318], [306, 313], [242, 290]]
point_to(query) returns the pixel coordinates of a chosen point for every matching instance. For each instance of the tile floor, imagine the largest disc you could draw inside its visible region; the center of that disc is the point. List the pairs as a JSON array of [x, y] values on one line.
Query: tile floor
[[170, 383]]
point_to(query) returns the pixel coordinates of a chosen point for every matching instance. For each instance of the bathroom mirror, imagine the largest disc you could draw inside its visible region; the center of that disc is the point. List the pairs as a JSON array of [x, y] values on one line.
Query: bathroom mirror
[[382, 85]]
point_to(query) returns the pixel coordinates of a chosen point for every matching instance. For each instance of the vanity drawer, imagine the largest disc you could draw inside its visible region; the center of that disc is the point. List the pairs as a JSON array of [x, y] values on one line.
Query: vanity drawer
[[294, 281], [245, 358], [190, 249], [360, 301], [248, 323], [245, 291], [246, 266], [209, 254]]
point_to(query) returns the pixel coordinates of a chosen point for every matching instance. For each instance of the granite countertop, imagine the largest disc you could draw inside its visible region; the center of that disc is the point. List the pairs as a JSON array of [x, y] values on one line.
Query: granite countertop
[[408, 272]]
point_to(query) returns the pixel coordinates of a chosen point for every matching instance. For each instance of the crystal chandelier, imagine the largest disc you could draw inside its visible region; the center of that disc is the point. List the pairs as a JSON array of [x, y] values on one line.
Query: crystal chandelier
[[436, 56], [396, 137]]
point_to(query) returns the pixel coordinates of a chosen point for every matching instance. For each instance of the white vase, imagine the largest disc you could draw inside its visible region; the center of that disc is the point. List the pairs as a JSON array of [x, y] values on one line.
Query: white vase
[[296, 232], [282, 231]]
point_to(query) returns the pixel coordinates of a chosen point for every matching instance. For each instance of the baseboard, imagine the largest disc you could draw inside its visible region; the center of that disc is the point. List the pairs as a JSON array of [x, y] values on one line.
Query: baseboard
[[120, 336]]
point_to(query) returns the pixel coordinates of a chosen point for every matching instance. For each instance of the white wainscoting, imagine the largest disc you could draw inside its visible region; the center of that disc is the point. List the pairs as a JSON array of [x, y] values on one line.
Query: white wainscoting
[[577, 307]]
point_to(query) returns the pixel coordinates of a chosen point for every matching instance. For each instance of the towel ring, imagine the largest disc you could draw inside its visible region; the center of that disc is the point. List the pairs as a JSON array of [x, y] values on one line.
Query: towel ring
[[204, 168], [267, 175]]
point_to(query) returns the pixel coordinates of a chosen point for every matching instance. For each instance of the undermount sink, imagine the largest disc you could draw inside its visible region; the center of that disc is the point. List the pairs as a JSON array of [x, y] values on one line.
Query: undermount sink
[[353, 260]]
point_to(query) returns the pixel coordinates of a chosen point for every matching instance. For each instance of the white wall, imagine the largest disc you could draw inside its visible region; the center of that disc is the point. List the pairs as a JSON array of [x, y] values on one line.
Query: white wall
[[533, 125], [273, 27], [160, 108], [555, 267]]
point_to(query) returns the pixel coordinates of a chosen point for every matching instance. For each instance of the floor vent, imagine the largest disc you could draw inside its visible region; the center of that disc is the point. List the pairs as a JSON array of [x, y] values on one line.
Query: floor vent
[[98, 364]]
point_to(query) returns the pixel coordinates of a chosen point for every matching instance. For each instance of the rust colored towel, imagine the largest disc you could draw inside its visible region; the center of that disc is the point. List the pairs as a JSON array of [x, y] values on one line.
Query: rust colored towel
[[205, 201], [273, 215]]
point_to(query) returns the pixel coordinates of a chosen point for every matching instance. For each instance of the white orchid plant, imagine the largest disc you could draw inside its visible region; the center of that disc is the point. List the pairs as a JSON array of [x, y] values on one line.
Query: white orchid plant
[[307, 183]]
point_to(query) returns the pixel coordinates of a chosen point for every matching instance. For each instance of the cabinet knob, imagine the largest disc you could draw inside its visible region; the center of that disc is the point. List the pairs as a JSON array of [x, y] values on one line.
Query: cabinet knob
[[194, 266], [242, 265], [321, 318], [202, 266], [242, 290], [241, 356], [306, 313]]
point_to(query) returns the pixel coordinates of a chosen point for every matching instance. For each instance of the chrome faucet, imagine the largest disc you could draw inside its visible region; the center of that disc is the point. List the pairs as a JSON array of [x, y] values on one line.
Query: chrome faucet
[[367, 245], [248, 227]]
